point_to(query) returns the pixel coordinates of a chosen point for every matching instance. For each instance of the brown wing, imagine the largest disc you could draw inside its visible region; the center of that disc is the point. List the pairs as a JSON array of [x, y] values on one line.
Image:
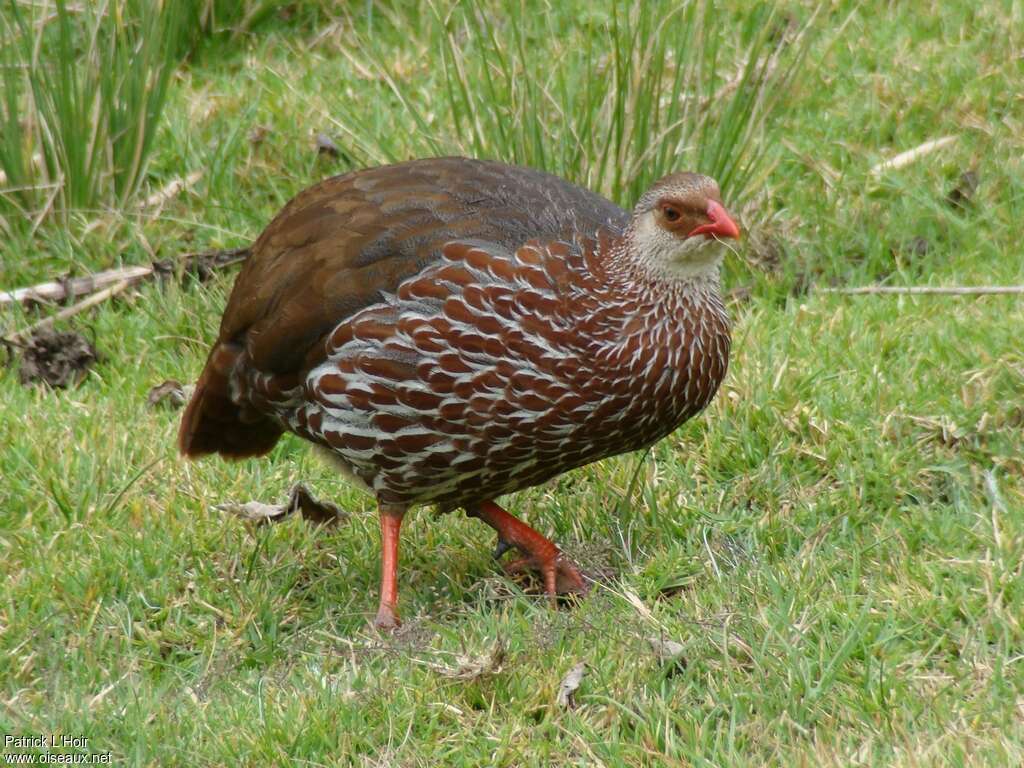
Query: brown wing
[[338, 245]]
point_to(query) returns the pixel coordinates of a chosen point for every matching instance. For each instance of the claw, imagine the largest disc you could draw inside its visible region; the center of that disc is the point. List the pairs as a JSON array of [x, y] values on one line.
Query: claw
[[501, 548]]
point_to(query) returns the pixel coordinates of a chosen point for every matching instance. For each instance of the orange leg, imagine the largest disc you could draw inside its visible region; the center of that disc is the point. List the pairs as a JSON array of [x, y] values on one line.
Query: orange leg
[[390, 525], [539, 554]]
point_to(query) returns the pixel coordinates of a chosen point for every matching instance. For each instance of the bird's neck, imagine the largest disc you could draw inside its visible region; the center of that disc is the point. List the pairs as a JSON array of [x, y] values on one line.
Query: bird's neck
[[630, 306], [666, 271], [664, 338]]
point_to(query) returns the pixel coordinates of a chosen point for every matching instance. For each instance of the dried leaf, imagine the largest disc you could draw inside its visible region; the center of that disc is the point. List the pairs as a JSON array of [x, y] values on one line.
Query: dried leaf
[[326, 146], [314, 510], [962, 194], [669, 652], [666, 650], [301, 501], [569, 685], [170, 394], [255, 511]]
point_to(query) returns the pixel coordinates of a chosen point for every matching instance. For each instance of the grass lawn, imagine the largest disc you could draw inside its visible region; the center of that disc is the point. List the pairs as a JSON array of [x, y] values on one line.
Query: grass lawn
[[837, 544]]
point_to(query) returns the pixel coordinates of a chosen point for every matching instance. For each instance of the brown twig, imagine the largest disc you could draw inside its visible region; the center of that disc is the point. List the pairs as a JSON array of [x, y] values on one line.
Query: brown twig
[[105, 285], [947, 290], [60, 290], [76, 286], [15, 339]]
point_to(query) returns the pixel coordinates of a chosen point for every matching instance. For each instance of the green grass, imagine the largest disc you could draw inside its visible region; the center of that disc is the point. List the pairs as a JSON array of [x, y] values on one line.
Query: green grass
[[84, 88], [838, 543], [83, 92]]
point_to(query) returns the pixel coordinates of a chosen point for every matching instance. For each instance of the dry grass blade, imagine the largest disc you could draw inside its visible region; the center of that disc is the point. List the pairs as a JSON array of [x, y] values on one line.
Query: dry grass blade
[[942, 290], [469, 667]]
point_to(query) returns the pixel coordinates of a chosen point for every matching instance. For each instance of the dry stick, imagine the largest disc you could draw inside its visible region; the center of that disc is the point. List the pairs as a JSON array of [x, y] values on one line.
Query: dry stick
[[911, 155], [950, 290], [171, 190], [77, 286], [129, 276], [15, 339], [55, 290]]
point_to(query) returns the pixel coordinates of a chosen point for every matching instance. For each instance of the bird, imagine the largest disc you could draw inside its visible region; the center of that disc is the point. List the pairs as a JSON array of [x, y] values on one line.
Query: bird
[[452, 330]]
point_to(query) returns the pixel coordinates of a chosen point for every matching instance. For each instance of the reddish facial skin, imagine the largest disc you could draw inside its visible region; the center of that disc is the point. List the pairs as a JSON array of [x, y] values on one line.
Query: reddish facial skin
[[696, 214]]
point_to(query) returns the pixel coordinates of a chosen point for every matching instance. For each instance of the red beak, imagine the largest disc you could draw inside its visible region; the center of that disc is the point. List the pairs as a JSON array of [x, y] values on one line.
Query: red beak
[[721, 224]]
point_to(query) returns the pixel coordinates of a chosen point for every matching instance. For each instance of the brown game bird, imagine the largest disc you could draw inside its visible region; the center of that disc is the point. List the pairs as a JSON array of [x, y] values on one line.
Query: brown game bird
[[452, 330]]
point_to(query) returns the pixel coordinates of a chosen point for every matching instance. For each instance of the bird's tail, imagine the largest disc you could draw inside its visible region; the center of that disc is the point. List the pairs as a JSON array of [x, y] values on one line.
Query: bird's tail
[[214, 423]]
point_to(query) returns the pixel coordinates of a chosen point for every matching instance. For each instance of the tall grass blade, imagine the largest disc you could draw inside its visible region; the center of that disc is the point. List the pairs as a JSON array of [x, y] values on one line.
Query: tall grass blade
[[671, 86], [84, 86]]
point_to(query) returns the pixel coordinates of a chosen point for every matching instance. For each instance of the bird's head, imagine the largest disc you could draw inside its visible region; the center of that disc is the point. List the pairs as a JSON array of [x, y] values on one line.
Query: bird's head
[[680, 225]]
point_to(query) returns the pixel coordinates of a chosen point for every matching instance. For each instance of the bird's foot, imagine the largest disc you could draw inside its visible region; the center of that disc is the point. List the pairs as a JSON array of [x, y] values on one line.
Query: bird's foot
[[560, 574], [539, 555], [387, 619]]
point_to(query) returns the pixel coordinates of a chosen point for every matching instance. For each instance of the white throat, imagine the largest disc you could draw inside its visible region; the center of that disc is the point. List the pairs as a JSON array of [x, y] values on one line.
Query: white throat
[[665, 257]]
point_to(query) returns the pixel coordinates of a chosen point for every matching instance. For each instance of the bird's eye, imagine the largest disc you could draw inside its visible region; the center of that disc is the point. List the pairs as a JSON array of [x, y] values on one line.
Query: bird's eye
[[670, 213]]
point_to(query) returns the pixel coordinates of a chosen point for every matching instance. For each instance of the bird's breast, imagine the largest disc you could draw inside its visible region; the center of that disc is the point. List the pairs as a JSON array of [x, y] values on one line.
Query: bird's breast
[[496, 370]]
